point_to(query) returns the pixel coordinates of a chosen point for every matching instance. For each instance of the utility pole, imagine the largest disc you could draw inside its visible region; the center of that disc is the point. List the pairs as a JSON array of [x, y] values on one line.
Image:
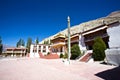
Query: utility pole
[[69, 46]]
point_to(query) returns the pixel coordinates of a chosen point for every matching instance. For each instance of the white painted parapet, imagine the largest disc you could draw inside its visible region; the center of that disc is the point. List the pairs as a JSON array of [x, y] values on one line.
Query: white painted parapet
[[113, 54], [114, 36], [81, 43]]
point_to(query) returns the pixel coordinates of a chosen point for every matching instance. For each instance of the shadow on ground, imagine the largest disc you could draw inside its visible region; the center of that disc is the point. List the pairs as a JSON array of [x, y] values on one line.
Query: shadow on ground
[[111, 74]]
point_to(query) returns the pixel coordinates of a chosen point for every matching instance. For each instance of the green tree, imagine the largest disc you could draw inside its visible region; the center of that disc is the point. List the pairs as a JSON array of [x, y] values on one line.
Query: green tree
[[37, 40], [75, 51], [65, 56], [61, 55], [20, 43], [99, 48], [1, 46], [46, 42], [29, 42]]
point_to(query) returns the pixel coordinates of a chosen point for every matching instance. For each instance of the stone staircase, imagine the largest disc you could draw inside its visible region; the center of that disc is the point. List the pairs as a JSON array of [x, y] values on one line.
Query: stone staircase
[[86, 57]]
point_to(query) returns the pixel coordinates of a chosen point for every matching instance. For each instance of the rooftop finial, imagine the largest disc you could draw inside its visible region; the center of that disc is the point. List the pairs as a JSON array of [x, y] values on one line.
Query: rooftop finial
[[68, 18]]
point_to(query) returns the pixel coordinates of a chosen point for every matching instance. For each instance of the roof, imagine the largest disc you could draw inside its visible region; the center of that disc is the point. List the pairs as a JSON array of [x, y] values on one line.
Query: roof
[[59, 35], [16, 48]]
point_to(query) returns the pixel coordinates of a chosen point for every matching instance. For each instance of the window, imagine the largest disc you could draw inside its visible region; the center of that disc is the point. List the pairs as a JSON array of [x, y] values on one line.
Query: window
[[39, 47], [34, 50], [48, 46], [44, 50], [39, 51], [44, 46]]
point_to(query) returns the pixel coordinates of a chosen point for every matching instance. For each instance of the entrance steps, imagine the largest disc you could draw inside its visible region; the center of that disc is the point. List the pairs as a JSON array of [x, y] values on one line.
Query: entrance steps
[[49, 56], [86, 57]]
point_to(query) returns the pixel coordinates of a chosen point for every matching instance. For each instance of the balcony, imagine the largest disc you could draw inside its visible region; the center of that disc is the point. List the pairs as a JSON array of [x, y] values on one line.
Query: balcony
[[74, 41], [19, 51], [58, 44], [93, 37], [15, 51], [9, 51]]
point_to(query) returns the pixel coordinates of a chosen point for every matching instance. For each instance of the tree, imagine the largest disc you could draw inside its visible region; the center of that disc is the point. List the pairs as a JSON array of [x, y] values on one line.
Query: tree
[[29, 42], [1, 46], [99, 48], [61, 55], [75, 51], [37, 41], [20, 43], [46, 42], [65, 56]]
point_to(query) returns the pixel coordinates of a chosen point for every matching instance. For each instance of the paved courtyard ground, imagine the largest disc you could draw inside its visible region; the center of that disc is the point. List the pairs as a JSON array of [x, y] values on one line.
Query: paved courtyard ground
[[55, 69]]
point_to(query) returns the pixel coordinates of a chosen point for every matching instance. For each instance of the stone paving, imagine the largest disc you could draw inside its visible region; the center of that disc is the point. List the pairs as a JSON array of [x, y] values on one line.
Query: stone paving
[[53, 69]]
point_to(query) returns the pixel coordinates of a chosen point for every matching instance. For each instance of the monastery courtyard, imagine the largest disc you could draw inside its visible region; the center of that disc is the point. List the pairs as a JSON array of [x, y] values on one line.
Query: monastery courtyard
[[55, 69]]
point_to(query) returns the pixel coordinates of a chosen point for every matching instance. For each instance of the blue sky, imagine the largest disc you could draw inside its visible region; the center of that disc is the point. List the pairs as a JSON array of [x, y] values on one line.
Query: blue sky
[[43, 18]]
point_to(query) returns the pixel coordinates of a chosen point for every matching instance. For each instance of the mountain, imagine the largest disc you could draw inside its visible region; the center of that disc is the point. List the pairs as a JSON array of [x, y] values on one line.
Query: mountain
[[111, 18], [114, 14]]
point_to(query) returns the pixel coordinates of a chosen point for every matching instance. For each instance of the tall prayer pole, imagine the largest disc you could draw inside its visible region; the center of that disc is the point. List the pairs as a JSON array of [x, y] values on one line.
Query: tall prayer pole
[[69, 47]]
